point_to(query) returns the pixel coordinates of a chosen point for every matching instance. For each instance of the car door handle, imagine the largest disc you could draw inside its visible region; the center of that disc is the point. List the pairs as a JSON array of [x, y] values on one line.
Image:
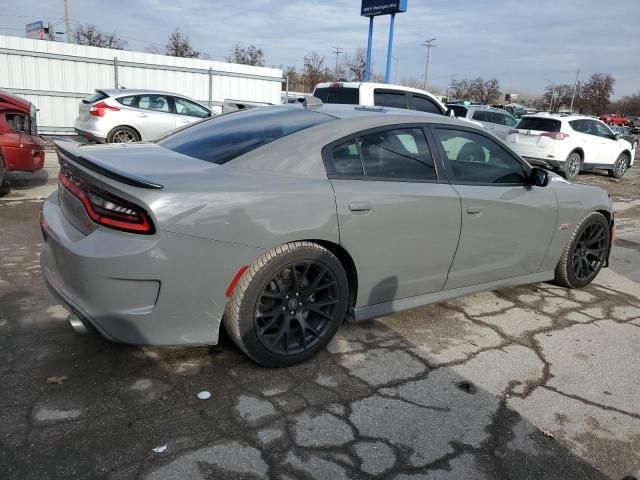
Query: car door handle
[[142, 114], [474, 210], [360, 207]]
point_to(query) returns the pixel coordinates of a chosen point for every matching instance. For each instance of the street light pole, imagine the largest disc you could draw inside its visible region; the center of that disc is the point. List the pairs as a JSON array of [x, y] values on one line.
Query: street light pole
[[429, 45], [575, 85], [67, 22]]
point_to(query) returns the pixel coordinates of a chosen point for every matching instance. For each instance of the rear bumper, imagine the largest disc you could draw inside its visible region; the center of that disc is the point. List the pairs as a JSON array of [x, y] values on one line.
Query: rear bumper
[[91, 130], [90, 136], [161, 289]]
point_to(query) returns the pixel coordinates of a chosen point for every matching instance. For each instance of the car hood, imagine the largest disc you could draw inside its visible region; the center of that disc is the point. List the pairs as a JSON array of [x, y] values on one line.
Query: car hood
[[139, 162], [12, 102]]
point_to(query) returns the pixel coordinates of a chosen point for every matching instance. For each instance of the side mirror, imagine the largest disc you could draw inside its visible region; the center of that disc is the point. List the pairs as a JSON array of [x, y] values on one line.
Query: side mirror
[[539, 177], [617, 136]]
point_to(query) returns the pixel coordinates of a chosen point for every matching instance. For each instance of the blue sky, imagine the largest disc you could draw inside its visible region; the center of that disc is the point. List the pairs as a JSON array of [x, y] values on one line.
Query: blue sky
[[522, 43]]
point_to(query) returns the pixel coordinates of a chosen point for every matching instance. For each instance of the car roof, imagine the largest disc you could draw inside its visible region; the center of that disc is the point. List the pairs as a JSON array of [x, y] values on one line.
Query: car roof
[[559, 116], [343, 111], [386, 86], [117, 92]]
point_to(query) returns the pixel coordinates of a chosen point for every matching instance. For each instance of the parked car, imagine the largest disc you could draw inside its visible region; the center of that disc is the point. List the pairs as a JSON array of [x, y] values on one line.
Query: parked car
[[614, 119], [379, 94], [571, 143], [280, 222], [497, 121], [21, 149], [625, 133], [634, 125], [122, 116]]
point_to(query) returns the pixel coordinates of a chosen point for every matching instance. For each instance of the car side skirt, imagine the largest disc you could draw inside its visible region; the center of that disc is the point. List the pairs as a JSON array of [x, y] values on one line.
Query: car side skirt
[[380, 309]]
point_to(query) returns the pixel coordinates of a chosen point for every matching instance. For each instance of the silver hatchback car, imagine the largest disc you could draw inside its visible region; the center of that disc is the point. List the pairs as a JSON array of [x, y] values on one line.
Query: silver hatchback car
[[281, 222], [123, 116], [497, 121]]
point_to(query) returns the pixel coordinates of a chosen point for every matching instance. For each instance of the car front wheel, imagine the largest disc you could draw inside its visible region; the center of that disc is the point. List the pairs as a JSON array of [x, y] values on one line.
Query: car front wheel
[[620, 167], [585, 252], [288, 304]]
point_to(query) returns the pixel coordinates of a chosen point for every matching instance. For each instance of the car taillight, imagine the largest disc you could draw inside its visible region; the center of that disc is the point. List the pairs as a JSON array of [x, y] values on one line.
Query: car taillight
[[555, 135], [107, 209], [99, 109]]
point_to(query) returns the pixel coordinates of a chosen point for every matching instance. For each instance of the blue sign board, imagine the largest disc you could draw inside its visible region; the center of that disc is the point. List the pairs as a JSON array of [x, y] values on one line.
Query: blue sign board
[[372, 8]]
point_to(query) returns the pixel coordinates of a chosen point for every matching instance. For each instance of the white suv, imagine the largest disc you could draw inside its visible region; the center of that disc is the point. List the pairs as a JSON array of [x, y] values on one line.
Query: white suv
[[378, 94], [571, 143]]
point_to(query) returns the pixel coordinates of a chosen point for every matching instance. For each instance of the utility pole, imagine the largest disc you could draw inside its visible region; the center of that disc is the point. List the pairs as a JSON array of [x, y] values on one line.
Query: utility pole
[[337, 51], [575, 85], [396, 76], [429, 45], [67, 22]]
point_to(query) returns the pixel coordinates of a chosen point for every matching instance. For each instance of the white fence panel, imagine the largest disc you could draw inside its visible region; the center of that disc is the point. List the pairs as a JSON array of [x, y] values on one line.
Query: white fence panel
[[55, 76]]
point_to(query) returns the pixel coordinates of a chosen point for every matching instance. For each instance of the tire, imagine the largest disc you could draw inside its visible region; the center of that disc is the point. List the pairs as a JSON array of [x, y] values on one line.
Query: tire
[[123, 134], [5, 186], [572, 166], [619, 167], [572, 274], [262, 317], [471, 152]]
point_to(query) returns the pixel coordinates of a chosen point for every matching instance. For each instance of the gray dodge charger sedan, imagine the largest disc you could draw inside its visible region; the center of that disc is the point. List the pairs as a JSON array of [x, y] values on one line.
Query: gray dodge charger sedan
[[281, 222]]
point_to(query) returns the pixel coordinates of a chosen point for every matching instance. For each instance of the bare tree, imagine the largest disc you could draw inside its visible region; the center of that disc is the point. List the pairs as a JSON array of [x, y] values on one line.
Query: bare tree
[[459, 89], [151, 48], [478, 89], [558, 96], [355, 65], [315, 70], [179, 45], [246, 56], [416, 83], [596, 92], [88, 34]]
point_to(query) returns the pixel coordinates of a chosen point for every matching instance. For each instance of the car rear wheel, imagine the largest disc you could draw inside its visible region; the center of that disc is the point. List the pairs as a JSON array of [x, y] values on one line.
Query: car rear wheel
[[5, 186], [572, 166], [123, 134], [620, 167], [585, 252], [288, 304]]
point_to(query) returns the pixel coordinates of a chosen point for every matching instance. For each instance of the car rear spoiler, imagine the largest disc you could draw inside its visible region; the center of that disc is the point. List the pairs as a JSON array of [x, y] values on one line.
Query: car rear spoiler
[[69, 151], [230, 105]]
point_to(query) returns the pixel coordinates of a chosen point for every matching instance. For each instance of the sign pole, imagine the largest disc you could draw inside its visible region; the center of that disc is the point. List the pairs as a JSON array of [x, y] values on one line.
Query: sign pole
[[367, 64], [387, 74]]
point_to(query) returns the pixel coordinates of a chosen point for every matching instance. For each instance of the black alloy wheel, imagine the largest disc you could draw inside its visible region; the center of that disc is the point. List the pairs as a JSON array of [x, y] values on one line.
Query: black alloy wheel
[[296, 308], [590, 252]]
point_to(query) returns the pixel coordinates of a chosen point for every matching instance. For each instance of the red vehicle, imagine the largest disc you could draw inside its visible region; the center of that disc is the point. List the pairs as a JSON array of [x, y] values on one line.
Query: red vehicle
[[615, 119], [21, 149]]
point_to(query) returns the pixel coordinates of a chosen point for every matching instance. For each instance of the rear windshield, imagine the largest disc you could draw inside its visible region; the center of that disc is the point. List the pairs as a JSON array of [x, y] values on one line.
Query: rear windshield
[[458, 111], [223, 138], [96, 97], [348, 96], [540, 124]]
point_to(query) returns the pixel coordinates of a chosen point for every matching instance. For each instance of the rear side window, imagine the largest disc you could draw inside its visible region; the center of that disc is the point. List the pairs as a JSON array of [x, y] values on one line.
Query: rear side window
[[539, 124], [482, 116], [399, 154], [96, 97], [390, 99], [424, 104], [127, 101], [338, 94], [223, 138]]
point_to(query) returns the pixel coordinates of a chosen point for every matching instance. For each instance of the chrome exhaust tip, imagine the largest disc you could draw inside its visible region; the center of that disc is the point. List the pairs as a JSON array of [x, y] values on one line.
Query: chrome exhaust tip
[[77, 324]]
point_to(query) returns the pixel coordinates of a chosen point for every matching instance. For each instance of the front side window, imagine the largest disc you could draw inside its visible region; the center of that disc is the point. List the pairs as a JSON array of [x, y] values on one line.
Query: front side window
[[424, 104], [473, 158], [603, 131], [225, 137], [390, 99], [189, 108], [509, 121], [158, 103], [18, 123]]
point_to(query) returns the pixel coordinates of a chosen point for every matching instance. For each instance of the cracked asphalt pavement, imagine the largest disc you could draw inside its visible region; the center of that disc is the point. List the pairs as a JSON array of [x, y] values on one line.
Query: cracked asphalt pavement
[[531, 382]]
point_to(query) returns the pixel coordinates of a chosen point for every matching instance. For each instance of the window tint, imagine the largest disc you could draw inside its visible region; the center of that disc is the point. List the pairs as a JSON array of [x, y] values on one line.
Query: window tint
[[128, 101], [401, 153], [187, 107], [346, 160], [581, 126], [474, 158], [602, 131], [390, 99], [498, 118], [509, 121], [223, 138], [337, 94], [482, 116], [424, 104], [159, 103], [539, 124]]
